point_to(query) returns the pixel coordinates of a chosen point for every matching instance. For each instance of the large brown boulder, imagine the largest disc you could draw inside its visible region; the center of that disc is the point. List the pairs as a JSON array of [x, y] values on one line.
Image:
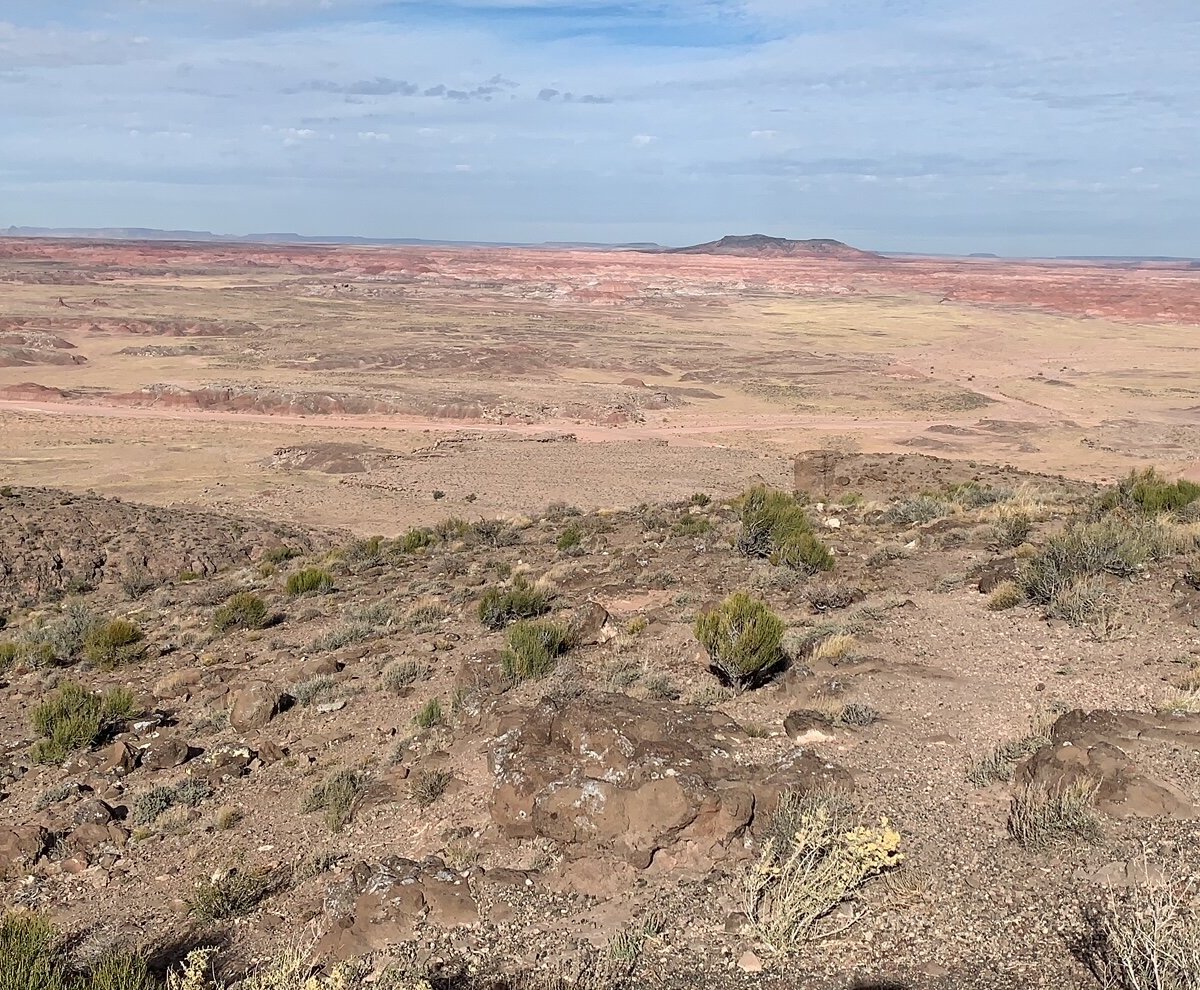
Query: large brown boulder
[[1107, 750], [21, 847], [639, 780], [255, 705]]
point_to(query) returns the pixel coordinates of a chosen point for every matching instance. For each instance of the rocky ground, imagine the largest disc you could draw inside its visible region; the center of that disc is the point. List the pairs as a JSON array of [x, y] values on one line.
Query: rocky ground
[[352, 768]]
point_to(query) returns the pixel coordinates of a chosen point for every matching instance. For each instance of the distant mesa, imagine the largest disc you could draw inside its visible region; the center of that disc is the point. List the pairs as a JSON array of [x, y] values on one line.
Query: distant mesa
[[982, 254], [763, 246]]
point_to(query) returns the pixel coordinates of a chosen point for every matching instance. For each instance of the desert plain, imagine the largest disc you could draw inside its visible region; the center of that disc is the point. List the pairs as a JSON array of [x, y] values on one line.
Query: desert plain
[[326, 488]]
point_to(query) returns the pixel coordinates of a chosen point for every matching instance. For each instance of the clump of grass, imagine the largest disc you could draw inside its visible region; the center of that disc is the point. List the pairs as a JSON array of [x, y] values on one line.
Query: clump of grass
[[1078, 600], [534, 646], [829, 595], [337, 795], [150, 805], [918, 510], [342, 635], [74, 718], [234, 893], [35, 956], [280, 554], [570, 540], [522, 600], [835, 647], [426, 617], [885, 553], [416, 539], [136, 581], [691, 526], [816, 856], [114, 644], [243, 610], [452, 529], [1012, 527], [976, 495], [1148, 492], [227, 816], [1146, 937], [1006, 595], [429, 785], [1181, 703], [776, 527], [310, 581], [1044, 815], [701, 499], [1001, 762], [430, 714], [366, 551], [403, 674], [742, 636], [59, 642], [661, 687], [313, 690]]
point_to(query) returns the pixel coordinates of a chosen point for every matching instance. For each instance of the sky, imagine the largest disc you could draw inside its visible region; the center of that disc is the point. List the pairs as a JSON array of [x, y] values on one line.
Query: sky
[[1019, 127]]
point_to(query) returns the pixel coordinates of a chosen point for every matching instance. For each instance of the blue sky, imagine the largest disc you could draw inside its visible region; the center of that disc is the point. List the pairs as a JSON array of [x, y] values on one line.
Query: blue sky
[[1013, 126]]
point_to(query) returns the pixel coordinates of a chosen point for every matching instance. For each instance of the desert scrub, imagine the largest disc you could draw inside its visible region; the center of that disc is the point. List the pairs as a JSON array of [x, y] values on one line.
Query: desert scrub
[[570, 540], [522, 600], [429, 715], [776, 527], [1145, 937], [829, 595], [1043, 815], [976, 495], [244, 610], [150, 805], [817, 855], [233, 893], [534, 646], [429, 785], [59, 642], [35, 956], [689, 525], [1001, 761], [1012, 527], [114, 644], [74, 718], [337, 795], [310, 581], [742, 636], [402, 674], [918, 510], [1150, 493], [1006, 595], [1086, 550], [426, 617], [313, 690]]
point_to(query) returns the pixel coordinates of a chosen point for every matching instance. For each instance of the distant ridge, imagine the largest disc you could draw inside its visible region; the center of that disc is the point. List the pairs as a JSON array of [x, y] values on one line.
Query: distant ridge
[[764, 246], [207, 236]]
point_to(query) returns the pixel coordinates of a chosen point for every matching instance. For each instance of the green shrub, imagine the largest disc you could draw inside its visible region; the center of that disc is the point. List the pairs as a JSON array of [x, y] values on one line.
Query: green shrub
[[337, 795], [522, 600], [34, 956], [691, 526], [1086, 550], [452, 529], [700, 498], [235, 893], [10, 653], [742, 636], [570, 540], [416, 539], [775, 526], [976, 495], [534, 646], [311, 580], [1149, 492], [280, 554], [245, 610], [403, 674], [114, 644], [914, 511], [429, 785], [1012, 527], [150, 805], [74, 718], [429, 715]]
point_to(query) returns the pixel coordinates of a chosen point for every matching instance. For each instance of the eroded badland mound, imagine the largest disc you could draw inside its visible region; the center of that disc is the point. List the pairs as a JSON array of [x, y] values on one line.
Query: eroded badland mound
[[961, 743]]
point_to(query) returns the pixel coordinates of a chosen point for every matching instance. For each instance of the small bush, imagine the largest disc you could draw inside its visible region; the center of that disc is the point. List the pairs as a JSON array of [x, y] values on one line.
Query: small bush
[[1146, 937], [1001, 762], [1150, 493], [835, 647], [1040, 816], [313, 690], [338, 795], [234, 893], [10, 653], [244, 610], [570, 540], [1078, 601], [74, 718], [916, 511], [430, 714], [34, 956], [452, 529], [775, 526], [690, 526], [114, 644], [742, 636], [1006, 595], [416, 539], [426, 617], [280, 554], [152, 804], [829, 595], [310, 581], [403, 674], [1012, 527], [816, 857], [534, 646], [701, 499], [345, 634], [661, 687], [976, 495], [522, 600], [137, 581], [429, 785]]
